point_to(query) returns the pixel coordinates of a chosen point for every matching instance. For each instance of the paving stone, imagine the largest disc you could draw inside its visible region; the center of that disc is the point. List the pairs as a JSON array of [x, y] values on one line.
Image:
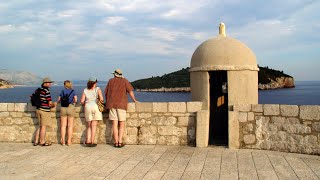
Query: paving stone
[[24, 161], [229, 165], [282, 167], [191, 175], [264, 167], [154, 175], [246, 167], [301, 169], [313, 164]]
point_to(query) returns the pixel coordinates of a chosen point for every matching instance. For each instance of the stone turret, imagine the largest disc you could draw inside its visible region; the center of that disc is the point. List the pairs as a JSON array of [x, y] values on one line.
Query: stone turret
[[223, 53], [223, 72]]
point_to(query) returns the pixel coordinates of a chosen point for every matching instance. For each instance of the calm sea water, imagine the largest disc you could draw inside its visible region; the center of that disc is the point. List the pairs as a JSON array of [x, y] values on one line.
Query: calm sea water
[[305, 93]]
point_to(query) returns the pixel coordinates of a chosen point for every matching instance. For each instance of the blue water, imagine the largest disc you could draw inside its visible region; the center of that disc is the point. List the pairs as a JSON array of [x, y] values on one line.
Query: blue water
[[305, 93]]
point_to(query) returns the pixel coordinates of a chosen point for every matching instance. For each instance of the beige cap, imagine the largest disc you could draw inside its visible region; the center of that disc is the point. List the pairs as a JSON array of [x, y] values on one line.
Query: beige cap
[[47, 80]]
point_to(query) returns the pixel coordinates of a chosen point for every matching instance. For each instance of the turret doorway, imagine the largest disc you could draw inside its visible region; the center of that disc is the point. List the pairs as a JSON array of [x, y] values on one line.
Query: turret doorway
[[218, 132]]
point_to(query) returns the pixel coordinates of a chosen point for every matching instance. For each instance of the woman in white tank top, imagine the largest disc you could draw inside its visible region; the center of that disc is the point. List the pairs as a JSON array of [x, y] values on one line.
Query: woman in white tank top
[[91, 110]]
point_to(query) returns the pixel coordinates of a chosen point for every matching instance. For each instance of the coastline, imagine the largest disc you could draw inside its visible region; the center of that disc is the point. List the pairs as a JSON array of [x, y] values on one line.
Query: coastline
[[163, 89], [187, 89]]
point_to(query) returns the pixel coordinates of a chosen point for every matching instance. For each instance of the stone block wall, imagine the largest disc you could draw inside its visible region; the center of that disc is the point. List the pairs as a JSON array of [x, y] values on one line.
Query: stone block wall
[[287, 128], [167, 123]]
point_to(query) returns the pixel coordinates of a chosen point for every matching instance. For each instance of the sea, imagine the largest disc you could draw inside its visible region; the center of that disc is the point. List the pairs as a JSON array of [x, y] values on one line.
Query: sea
[[305, 93]]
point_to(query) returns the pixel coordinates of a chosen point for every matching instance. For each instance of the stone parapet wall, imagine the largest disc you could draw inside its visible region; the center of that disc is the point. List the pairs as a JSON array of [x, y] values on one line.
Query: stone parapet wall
[[167, 123], [287, 128]]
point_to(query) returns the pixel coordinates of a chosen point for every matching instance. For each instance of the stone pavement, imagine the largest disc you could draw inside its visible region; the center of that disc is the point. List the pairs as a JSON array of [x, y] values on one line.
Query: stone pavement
[[24, 161]]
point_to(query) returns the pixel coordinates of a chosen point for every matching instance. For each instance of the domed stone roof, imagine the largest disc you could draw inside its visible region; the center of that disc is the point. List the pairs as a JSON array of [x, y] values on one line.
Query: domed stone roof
[[223, 53]]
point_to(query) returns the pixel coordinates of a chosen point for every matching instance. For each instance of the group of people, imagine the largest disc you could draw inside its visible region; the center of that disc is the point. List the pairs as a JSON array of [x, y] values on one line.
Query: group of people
[[115, 94]]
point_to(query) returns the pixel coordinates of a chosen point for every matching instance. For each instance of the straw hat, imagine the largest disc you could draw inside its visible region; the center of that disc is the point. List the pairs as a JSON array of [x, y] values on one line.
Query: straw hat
[[118, 73]]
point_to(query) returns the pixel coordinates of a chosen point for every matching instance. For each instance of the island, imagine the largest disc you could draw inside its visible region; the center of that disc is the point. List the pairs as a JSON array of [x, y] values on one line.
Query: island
[[179, 81], [5, 84]]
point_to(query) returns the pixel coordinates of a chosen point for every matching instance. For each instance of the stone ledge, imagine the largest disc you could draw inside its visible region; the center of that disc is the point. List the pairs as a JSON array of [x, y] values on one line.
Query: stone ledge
[[242, 107], [160, 107], [310, 112], [271, 109], [194, 106], [3, 107], [289, 110], [177, 107]]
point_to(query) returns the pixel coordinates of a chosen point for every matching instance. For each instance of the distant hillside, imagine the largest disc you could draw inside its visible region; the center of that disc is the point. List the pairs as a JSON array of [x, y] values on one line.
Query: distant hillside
[[266, 75], [20, 77], [179, 78], [267, 79]]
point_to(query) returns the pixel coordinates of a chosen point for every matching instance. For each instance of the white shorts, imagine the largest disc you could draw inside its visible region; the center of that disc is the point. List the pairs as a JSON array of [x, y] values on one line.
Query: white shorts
[[117, 114], [92, 112]]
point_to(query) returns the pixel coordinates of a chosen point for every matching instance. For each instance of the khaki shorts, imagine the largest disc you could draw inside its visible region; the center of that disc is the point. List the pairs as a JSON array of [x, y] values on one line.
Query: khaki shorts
[[43, 117], [68, 111], [117, 114], [92, 112]]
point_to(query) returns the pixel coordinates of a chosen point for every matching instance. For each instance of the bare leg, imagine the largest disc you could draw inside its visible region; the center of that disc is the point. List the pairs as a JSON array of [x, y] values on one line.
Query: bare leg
[[115, 131], [36, 138], [121, 130], [89, 133], [70, 130], [63, 124], [93, 130], [42, 134]]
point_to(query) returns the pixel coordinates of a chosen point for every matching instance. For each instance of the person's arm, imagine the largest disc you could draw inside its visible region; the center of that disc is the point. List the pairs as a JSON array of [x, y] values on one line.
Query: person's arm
[[106, 91], [83, 98], [49, 99], [132, 96], [100, 95], [75, 99], [59, 99]]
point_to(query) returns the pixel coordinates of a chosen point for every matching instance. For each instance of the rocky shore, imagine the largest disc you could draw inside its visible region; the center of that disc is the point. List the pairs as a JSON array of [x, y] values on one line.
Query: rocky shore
[[282, 82], [5, 84], [178, 89]]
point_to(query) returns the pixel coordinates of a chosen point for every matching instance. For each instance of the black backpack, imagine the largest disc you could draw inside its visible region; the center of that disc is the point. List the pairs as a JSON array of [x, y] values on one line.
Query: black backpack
[[65, 99], [35, 98]]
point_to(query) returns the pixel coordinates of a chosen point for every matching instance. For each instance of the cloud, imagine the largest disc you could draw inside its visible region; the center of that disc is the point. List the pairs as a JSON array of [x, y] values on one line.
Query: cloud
[[115, 20], [163, 34], [6, 28], [152, 33]]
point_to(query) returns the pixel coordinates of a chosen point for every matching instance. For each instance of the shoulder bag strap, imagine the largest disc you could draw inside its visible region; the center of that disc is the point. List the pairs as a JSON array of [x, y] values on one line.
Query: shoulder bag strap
[[69, 95]]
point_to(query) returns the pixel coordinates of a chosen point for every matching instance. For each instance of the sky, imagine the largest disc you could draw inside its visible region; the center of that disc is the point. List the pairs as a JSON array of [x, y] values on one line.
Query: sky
[[77, 39]]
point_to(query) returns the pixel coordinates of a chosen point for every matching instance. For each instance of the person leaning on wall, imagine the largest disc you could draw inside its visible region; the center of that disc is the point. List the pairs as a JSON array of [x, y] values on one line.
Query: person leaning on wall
[[91, 110], [67, 112], [43, 112], [117, 101]]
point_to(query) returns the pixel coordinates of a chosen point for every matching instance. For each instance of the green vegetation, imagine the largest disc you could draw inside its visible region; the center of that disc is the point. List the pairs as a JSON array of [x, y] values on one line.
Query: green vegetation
[[181, 78], [265, 75]]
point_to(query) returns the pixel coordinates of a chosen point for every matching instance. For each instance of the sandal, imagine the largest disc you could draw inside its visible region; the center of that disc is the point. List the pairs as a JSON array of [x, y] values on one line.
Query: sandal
[[116, 145], [46, 144], [35, 144], [120, 145], [88, 144]]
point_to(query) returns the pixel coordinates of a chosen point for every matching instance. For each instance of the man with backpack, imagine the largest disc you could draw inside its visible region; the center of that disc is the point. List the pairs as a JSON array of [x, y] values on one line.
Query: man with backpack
[[43, 112]]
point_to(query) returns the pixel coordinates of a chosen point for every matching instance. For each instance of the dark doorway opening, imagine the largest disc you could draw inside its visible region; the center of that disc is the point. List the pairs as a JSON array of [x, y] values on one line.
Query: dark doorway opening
[[218, 132]]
